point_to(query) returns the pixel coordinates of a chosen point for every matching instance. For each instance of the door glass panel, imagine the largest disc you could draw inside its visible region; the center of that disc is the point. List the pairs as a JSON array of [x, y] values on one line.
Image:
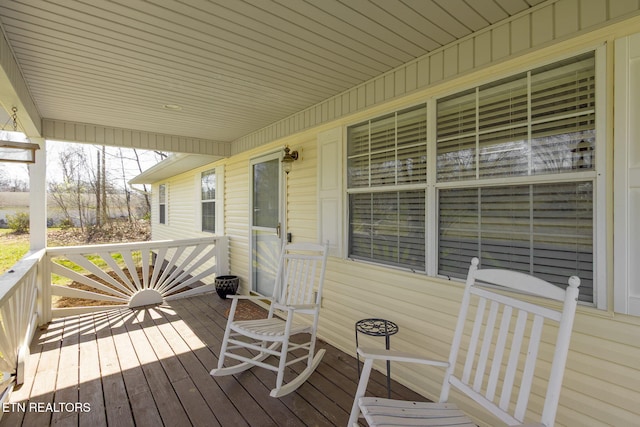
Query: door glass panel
[[266, 242], [265, 262], [265, 194]]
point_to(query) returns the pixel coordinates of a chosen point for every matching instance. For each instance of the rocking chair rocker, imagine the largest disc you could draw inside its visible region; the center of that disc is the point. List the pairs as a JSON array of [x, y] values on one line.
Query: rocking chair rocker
[[297, 295], [499, 344]]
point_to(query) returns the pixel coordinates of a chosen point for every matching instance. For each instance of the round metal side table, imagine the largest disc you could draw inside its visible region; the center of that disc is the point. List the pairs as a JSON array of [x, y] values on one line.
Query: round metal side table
[[377, 328]]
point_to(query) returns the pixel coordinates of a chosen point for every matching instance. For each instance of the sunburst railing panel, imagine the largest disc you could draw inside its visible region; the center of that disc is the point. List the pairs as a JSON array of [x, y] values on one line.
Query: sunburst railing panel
[[133, 274]]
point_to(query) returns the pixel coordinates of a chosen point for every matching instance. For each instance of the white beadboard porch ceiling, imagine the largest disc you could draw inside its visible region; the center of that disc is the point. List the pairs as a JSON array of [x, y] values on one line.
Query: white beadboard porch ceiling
[[233, 66]]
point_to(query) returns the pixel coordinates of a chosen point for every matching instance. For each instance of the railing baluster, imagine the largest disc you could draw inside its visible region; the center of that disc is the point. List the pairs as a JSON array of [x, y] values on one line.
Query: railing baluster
[[18, 303], [139, 273]]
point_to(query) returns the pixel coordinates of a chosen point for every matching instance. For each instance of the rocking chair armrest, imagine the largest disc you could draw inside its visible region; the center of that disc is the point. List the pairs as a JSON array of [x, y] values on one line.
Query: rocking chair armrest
[[294, 306], [398, 356], [303, 306], [248, 297]]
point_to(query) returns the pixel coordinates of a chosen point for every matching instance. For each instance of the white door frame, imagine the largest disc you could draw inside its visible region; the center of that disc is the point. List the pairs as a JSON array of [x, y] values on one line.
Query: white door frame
[[282, 203]]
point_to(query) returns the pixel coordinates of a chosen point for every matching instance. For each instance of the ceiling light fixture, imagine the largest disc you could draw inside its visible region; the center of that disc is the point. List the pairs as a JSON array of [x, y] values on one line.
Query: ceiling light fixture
[[172, 107], [14, 145]]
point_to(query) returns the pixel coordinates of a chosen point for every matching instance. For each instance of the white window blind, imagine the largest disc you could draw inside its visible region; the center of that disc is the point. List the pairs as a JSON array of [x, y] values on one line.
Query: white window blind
[[387, 175], [530, 124], [540, 229], [388, 227], [537, 123]]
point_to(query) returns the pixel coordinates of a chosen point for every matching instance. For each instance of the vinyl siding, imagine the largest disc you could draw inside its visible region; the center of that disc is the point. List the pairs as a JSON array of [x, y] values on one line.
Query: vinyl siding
[[237, 217], [183, 218], [302, 194], [182, 214], [603, 373]]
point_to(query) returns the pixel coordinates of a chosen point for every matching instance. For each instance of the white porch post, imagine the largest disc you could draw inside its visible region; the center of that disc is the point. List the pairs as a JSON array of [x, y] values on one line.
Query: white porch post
[[38, 197], [38, 227]]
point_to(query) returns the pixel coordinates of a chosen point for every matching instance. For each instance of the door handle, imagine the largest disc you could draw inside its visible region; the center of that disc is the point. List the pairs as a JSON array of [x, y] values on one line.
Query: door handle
[[278, 230]]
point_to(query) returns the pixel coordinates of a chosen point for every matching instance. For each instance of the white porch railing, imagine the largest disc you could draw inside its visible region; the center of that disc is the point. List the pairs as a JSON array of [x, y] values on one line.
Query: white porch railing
[[134, 274], [102, 277], [18, 318]]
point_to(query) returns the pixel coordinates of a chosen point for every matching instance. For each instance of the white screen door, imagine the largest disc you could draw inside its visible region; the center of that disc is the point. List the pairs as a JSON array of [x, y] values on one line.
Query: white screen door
[[266, 221]]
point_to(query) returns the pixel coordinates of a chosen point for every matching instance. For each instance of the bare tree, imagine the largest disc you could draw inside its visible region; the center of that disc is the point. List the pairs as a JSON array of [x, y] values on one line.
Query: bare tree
[[144, 186], [98, 192], [91, 193], [12, 182], [103, 186], [125, 185], [71, 193]]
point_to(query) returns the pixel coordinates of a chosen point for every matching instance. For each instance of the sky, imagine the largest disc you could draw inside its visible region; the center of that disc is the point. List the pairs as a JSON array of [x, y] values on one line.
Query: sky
[[114, 166]]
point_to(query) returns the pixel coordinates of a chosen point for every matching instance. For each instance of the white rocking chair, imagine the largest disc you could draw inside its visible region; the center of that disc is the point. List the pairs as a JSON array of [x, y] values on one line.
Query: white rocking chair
[[499, 345], [297, 295]]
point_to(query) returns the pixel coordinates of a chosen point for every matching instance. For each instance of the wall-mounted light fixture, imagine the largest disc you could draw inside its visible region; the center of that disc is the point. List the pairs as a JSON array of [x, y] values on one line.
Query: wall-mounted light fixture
[[583, 155], [14, 145], [288, 159]]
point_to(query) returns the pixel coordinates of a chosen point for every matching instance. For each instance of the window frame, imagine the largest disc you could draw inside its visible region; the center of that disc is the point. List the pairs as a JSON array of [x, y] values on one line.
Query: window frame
[[196, 200], [201, 175], [163, 197], [598, 175], [380, 189]]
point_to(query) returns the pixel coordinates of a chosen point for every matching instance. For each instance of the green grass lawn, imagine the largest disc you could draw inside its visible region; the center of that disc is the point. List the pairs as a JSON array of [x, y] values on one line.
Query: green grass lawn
[[95, 259], [15, 246], [12, 248]]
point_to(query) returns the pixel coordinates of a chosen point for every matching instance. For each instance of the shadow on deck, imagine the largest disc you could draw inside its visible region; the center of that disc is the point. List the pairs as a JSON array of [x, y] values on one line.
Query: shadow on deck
[[151, 367]]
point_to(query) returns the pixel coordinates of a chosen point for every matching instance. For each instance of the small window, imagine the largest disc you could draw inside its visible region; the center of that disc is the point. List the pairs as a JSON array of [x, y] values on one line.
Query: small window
[[162, 204], [208, 200]]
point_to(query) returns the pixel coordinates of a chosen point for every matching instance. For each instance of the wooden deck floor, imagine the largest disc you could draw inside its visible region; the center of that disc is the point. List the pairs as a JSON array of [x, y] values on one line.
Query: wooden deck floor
[[151, 367]]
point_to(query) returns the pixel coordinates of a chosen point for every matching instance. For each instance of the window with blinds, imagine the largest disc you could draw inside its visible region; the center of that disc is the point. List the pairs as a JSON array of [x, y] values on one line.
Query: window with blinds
[[208, 200], [162, 203], [512, 179], [387, 176], [539, 123]]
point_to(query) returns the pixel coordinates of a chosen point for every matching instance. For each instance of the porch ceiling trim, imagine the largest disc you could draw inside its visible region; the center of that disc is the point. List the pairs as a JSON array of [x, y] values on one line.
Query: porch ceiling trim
[[14, 91], [171, 166], [105, 135]]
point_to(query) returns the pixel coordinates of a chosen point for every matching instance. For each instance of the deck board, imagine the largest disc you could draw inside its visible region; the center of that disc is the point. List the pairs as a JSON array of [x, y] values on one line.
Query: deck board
[[116, 402], [43, 387], [67, 384], [151, 366], [143, 408], [171, 410], [90, 380]]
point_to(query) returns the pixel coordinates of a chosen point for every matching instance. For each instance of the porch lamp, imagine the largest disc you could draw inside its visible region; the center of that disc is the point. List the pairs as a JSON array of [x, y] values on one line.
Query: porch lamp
[[582, 155], [288, 159], [14, 145]]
